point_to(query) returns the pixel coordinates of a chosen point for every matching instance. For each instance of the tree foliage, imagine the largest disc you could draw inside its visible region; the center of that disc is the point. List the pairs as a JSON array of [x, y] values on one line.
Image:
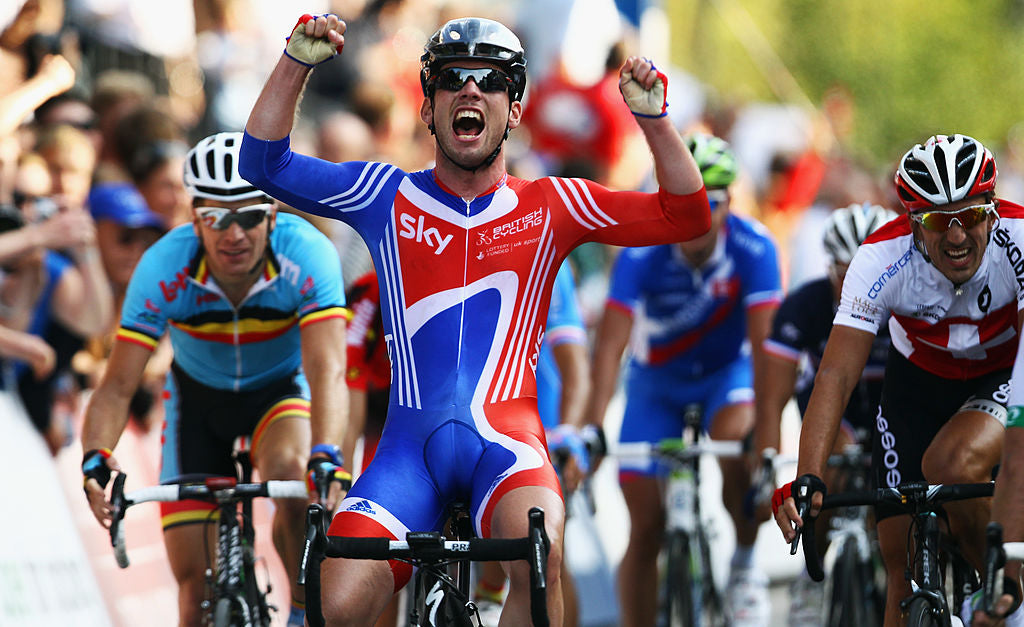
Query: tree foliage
[[914, 67]]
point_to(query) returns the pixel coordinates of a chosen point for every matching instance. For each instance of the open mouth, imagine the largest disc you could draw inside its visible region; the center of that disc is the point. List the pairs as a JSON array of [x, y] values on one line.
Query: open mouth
[[959, 256], [468, 124]]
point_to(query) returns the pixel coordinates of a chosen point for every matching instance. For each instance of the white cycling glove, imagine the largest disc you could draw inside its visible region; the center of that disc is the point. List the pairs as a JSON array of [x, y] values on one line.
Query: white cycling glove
[[647, 103], [309, 51]]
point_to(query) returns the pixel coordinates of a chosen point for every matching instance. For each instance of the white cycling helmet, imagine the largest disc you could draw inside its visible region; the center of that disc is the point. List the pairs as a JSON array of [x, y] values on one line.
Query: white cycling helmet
[[211, 170], [945, 169], [846, 228]]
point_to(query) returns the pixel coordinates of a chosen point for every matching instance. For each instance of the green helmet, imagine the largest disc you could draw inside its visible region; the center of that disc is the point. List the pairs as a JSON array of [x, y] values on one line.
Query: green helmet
[[714, 157]]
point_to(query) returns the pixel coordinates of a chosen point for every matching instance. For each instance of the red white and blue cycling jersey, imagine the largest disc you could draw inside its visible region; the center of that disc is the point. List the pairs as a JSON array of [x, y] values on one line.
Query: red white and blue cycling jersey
[[955, 332], [465, 286]]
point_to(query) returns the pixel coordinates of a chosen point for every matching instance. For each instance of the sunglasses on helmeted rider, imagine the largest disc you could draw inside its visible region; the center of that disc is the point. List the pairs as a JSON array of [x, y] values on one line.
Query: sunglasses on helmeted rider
[[220, 218], [487, 79], [716, 197], [940, 221]]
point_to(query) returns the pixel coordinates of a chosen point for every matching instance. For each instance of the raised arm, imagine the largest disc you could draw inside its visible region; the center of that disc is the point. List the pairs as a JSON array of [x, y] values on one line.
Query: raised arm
[[643, 88], [313, 41]]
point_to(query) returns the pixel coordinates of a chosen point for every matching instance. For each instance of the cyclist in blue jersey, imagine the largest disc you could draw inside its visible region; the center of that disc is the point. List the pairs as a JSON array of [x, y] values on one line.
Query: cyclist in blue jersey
[[701, 311], [252, 300], [800, 330], [466, 256]]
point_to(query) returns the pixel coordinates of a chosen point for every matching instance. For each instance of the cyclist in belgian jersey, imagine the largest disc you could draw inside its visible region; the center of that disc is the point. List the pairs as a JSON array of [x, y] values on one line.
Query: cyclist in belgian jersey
[[701, 310], [253, 302], [947, 278], [465, 256]]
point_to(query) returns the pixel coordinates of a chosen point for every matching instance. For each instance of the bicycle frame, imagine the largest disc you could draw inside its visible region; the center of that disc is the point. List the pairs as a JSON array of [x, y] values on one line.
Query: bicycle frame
[[920, 500], [235, 578], [424, 549], [683, 513]]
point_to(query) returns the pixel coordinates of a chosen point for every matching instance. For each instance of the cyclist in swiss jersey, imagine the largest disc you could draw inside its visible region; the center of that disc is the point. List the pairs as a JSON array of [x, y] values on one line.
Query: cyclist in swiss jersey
[[799, 332], [466, 256], [946, 278], [252, 300]]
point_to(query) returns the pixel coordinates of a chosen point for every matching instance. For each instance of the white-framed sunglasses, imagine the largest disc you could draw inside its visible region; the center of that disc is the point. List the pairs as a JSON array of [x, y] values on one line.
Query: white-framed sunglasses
[[220, 218], [966, 217]]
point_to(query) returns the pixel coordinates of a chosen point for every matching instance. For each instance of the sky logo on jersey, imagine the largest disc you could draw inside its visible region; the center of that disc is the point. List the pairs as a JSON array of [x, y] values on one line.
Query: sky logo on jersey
[[1013, 253], [412, 228]]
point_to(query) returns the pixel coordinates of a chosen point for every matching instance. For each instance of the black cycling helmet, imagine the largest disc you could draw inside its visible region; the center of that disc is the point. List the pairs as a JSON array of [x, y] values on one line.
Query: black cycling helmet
[[479, 39]]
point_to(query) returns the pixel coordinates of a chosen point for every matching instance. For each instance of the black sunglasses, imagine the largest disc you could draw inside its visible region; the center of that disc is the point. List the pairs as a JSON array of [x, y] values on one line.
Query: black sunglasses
[[487, 79]]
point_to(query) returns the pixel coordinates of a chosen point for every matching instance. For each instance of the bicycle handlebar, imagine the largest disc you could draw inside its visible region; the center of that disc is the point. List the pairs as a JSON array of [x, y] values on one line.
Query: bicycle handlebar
[[217, 490], [678, 449], [912, 497], [424, 548]]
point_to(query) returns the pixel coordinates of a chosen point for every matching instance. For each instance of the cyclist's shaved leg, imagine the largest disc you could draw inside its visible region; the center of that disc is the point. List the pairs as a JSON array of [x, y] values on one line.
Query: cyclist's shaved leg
[[509, 520], [964, 451], [189, 567], [734, 422], [892, 543], [638, 571], [280, 452], [357, 591]]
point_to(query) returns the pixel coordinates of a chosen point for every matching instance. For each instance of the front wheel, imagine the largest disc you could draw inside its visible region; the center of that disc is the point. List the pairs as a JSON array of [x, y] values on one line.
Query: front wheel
[[232, 611], [922, 614], [682, 594], [852, 590]]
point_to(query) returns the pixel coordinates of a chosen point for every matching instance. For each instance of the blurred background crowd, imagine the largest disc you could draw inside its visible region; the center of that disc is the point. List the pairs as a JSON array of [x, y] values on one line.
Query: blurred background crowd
[[100, 100]]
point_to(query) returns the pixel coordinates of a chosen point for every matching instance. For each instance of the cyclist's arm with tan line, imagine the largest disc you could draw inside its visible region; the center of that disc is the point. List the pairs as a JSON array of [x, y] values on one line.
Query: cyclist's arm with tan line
[[773, 387], [323, 360], [610, 342], [106, 415], [846, 353]]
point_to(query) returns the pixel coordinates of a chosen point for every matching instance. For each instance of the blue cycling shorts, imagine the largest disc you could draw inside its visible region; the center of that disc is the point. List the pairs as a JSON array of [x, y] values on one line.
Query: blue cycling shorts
[[656, 402]]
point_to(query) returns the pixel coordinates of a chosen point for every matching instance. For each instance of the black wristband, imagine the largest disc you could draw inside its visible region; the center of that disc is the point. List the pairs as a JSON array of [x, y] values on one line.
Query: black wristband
[[94, 466]]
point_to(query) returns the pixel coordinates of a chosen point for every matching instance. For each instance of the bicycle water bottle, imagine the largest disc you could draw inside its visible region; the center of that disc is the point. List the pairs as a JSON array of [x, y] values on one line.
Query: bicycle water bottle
[[680, 500]]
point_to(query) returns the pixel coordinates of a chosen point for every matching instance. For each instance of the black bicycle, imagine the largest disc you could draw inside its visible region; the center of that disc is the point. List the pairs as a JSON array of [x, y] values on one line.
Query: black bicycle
[[234, 595], [853, 592], [997, 553], [691, 596], [442, 578], [928, 555]]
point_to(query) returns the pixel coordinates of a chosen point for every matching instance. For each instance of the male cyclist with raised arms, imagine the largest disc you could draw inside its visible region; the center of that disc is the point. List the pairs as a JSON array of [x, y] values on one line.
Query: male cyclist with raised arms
[[466, 256], [947, 278], [702, 310], [253, 303], [800, 330]]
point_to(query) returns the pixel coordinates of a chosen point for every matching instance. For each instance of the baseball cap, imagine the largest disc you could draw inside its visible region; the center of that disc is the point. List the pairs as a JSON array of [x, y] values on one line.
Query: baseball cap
[[121, 203]]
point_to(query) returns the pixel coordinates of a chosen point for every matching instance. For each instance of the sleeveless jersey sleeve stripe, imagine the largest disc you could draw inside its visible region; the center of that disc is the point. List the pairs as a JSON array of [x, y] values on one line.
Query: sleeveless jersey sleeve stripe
[[565, 335], [127, 335], [324, 314], [781, 351]]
